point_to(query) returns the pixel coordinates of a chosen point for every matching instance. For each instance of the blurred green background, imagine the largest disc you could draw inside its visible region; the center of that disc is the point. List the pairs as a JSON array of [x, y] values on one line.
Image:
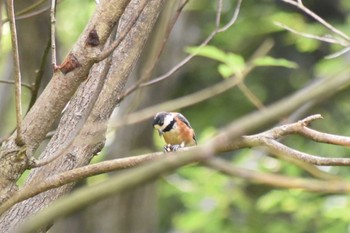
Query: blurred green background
[[197, 199]]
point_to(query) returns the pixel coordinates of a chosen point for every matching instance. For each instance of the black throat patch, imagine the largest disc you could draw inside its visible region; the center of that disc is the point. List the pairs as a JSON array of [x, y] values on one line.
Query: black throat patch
[[170, 126]]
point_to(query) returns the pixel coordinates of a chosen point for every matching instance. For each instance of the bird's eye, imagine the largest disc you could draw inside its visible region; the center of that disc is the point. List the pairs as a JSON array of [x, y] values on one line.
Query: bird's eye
[[161, 123]]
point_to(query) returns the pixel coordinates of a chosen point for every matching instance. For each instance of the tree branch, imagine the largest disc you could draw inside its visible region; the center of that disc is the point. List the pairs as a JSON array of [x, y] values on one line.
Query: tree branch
[[53, 34], [343, 40], [131, 178], [279, 181], [58, 92], [196, 154], [18, 91], [198, 96], [192, 55], [39, 76], [107, 51], [318, 19]]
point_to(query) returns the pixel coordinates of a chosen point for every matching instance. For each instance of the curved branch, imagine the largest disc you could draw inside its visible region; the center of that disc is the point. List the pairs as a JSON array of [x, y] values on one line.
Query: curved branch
[[279, 181], [189, 57], [278, 148]]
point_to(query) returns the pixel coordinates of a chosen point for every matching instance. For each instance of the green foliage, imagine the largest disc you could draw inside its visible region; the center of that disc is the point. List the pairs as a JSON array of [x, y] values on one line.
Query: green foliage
[[230, 63], [71, 20], [201, 200], [270, 61]]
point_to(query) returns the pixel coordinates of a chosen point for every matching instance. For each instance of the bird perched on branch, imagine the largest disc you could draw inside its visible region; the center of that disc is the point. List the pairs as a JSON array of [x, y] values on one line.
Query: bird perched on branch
[[175, 129]]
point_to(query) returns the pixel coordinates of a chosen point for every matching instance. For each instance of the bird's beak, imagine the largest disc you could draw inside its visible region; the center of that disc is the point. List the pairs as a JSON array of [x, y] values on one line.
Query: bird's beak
[[157, 127]]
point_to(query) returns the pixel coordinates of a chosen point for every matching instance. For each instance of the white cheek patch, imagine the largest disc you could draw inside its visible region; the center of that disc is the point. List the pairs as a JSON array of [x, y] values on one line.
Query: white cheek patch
[[167, 120]]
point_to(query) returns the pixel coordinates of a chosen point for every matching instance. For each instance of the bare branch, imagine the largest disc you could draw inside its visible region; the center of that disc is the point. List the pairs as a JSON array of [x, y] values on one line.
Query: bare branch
[[318, 19], [324, 137], [278, 148], [189, 57], [107, 51], [131, 178], [250, 96], [29, 11], [78, 174], [198, 96], [328, 38], [18, 91], [39, 76], [83, 117], [146, 75], [53, 34], [339, 53], [26, 85], [279, 181]]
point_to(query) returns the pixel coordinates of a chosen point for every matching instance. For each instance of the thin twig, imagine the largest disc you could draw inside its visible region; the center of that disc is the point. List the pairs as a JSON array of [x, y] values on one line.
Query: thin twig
[[324, 137], [327, 39], [11, 15], [33, 13], [29, 11], [339, 53], [39, 75], [53, 34], [278, 148], [198, 96], [26, 85], [250, 96], [192, 55], [204, 43], [318, 19], [218, 16], [83, 118], [146, 75], [280, 181]]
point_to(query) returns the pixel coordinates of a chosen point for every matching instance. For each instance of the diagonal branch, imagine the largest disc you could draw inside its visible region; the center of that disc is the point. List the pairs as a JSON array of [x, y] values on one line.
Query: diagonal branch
[[198, 96], [39, 76], [150, 171], [318, 19], [107, 51], [279, 181], [192, 55]]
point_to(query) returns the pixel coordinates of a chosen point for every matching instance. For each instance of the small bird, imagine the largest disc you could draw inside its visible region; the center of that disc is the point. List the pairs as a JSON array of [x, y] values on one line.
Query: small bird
[[175, 129]]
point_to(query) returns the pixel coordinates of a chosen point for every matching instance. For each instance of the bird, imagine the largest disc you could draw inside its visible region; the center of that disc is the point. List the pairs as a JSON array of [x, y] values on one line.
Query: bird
[[175, 129]]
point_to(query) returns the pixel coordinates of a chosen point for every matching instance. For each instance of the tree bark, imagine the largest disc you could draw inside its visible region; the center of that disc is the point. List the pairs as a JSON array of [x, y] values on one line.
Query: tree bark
[[48, 107], [90, 138]]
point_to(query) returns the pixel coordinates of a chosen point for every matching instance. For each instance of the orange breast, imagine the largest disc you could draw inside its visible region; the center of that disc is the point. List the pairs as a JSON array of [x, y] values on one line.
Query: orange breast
[[180, 134]]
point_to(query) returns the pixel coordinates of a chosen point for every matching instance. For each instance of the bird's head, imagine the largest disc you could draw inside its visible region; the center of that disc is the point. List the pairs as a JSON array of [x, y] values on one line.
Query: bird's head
[[162, 121]]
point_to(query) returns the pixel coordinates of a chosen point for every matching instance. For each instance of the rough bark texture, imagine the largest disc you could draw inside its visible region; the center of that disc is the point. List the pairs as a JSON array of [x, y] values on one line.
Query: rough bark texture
[[91, 136], [36, 124], [136, 211]]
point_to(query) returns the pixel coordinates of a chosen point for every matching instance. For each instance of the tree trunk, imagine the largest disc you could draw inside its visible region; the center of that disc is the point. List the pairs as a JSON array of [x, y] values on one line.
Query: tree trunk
[[94, 104]]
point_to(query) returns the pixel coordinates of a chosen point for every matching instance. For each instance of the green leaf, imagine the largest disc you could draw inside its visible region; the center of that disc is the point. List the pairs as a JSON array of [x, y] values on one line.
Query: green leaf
[[232, 63], [225, 70], [208, 51], [235, 62], [271, 61]]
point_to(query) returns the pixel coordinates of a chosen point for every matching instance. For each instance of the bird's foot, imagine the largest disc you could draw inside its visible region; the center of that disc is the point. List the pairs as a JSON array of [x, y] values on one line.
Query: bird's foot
[[171, 148]]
